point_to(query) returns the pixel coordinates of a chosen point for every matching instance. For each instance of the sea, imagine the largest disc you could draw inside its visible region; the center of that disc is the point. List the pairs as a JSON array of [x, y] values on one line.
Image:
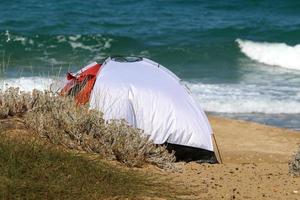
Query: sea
[[240, 58]]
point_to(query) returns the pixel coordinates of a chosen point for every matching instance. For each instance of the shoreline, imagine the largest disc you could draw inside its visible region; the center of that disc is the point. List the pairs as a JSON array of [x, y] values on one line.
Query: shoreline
[[285, 121], [245, 142]]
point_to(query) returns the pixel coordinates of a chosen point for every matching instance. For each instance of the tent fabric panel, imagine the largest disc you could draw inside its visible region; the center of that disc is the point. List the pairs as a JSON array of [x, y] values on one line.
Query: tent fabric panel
[[150, 97]]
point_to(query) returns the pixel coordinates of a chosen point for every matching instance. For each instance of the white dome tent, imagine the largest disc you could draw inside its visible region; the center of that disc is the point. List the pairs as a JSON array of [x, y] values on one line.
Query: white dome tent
[[150, 97]]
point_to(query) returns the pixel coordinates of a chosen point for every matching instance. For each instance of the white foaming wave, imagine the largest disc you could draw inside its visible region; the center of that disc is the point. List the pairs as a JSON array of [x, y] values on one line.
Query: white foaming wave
[[222, 98], [237, 98], [101, 43], [27, 84], [278, 54], [16, 38]]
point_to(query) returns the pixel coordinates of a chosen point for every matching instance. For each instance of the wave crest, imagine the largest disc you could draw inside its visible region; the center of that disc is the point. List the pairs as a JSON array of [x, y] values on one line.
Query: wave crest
[[278, 54]]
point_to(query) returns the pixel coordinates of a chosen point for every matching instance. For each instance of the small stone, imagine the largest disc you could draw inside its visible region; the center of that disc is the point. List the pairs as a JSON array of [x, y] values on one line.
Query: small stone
[[295, 192]]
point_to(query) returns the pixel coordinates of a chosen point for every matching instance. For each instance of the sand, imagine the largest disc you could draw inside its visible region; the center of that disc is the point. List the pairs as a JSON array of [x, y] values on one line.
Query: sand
[[248, 142], [255, 164]]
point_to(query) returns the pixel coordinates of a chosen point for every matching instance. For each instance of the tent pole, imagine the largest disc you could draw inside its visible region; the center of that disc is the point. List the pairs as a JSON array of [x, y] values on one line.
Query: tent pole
[[219, 155]]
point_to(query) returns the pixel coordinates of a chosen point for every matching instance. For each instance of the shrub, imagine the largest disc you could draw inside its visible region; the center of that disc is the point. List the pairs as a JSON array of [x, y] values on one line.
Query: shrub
[[294, 164], [14, 102], [63, 122]]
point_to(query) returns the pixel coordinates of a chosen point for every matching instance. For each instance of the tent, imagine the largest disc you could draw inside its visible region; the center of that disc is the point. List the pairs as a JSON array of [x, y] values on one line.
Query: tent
[[148, 96]]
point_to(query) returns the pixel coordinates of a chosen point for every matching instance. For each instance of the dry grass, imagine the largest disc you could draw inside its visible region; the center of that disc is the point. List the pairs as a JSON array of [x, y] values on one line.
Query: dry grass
[[62, 122], [33, 171], [294, 164]]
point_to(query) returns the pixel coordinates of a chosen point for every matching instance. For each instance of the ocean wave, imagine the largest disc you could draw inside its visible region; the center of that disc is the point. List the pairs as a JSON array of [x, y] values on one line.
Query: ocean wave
[[219, 98], [92, 43], [278, 54], [47, 51], [246, 98]]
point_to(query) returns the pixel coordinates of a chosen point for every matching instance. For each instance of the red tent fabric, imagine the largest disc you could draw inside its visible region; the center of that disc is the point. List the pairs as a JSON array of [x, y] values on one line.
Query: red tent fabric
[[81, 84]]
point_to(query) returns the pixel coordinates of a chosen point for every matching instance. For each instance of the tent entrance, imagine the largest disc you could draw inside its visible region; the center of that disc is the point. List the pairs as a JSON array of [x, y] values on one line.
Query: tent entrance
[[188, 154]]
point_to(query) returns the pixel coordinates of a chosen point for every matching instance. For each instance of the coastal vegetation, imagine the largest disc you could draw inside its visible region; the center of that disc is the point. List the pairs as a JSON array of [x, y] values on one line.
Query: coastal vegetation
[[33, 171], [59, 120], [294, 164], [66, 150]]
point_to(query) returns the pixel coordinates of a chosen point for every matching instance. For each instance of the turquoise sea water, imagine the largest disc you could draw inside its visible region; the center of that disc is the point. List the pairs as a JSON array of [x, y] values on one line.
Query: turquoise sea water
[[239, 58]]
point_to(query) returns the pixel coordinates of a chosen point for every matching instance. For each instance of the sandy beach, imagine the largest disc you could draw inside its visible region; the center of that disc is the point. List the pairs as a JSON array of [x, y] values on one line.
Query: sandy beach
[[255, 163], [247, 142]]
